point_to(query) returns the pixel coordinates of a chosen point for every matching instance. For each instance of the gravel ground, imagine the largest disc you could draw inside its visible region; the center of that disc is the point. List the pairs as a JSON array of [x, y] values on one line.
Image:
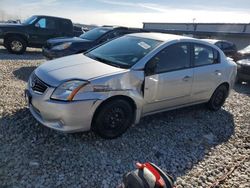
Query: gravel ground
[[193, 144]]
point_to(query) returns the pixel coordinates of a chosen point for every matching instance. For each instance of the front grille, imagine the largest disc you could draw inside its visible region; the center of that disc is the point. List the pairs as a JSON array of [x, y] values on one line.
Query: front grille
[[38, 85]]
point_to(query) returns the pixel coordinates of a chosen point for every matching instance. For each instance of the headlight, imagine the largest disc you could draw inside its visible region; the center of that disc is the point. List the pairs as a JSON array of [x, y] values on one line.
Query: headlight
[[68, 90], [62, 46]]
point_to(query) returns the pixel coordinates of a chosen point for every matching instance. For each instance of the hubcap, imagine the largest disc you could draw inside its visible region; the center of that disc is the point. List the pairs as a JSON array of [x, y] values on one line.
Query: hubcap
[[115, 118], [16, 46]]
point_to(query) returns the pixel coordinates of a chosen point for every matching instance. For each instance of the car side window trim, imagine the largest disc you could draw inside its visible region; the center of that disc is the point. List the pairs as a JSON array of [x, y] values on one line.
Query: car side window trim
[[184, 68]]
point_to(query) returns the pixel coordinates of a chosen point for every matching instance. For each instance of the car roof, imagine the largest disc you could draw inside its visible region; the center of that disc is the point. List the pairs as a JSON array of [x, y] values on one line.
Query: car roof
[[160, 36], [51, 17], [122, 28]]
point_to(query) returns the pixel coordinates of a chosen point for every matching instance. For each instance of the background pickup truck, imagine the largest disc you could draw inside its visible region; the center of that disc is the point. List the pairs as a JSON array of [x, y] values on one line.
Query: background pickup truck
[[34, 32]]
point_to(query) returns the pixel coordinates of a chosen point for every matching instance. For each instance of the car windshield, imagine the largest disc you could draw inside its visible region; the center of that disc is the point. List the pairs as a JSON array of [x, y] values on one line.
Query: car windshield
[[123, 52], [30, 20], [94, 33]]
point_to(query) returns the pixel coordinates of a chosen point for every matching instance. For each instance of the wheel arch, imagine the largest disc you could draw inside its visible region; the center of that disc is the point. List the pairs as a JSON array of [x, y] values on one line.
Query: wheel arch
[[225, 84], [9, 35], [116, 97]]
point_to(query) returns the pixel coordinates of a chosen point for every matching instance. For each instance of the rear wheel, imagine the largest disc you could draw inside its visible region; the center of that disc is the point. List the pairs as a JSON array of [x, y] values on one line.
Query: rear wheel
[[218, 98], [113, 119], [16, 45]]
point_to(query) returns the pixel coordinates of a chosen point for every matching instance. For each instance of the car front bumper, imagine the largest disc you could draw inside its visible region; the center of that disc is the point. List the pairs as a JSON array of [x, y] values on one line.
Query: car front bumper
[[63, 116]]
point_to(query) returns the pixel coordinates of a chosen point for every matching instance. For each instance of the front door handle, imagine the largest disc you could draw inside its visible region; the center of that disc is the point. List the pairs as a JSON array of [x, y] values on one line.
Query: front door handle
[[186, 78]]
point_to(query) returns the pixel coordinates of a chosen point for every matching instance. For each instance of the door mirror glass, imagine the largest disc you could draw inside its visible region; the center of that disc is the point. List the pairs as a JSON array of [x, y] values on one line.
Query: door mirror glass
[[37, 25], [205, 55]]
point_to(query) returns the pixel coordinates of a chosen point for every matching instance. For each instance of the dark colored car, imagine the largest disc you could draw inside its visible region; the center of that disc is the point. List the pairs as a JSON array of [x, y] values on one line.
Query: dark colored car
[[34, 32], [59, 47], [227, 47], [243, 70], [244, 53], [78, 30]]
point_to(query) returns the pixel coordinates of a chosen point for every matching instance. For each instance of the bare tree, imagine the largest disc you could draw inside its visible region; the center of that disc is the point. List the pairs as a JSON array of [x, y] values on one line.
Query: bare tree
[[5, 16], [2, 15]]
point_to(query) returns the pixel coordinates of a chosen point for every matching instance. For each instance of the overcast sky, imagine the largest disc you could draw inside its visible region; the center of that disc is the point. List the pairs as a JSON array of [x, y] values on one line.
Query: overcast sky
[[133, 12]]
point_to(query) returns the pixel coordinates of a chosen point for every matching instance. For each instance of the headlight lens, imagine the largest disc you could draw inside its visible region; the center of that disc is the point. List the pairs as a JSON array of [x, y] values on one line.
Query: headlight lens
[[68, 90], [62, 46]]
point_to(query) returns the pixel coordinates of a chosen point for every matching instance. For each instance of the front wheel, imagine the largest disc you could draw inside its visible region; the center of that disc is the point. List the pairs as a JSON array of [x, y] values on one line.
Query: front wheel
[[113, 119], [218, 98]]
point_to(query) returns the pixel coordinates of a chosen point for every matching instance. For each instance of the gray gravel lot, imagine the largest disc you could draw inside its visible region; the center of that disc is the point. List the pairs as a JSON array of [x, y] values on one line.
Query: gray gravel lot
[[193, 144]]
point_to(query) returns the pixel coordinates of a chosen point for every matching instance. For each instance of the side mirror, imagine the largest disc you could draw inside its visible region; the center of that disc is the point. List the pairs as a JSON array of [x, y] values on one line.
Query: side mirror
[[150, 67], [37, 25]]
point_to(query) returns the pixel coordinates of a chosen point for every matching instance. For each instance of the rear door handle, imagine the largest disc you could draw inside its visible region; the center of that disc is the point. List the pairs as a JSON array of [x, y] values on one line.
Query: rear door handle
[[218, 72], [186, 78]]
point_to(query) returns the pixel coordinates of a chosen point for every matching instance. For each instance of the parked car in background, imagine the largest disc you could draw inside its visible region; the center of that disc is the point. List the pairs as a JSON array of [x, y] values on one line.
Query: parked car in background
[[78, 30], [227, 47], [59, 47], [244, 53], [14, 21], [243, 70], [34, 32], [112, 86]]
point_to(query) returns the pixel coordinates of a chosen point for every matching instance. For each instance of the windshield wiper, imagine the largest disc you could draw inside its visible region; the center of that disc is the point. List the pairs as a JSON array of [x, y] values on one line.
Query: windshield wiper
[[106, 61]]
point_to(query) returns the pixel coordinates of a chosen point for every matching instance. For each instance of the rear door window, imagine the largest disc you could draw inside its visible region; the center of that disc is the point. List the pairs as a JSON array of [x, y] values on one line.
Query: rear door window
[[65, 25], [51, 24], [205, 55]]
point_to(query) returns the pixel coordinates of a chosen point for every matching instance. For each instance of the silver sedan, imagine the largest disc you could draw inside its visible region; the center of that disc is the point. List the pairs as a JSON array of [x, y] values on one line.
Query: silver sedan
[[113, 86]]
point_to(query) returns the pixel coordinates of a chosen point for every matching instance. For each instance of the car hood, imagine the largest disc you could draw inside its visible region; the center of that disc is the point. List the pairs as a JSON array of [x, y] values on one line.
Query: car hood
[[60, 40], [73, 67]]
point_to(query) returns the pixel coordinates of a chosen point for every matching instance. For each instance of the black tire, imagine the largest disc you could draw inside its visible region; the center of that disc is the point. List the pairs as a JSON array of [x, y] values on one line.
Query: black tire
[[113, 119], [16, 45], [218, 98]]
